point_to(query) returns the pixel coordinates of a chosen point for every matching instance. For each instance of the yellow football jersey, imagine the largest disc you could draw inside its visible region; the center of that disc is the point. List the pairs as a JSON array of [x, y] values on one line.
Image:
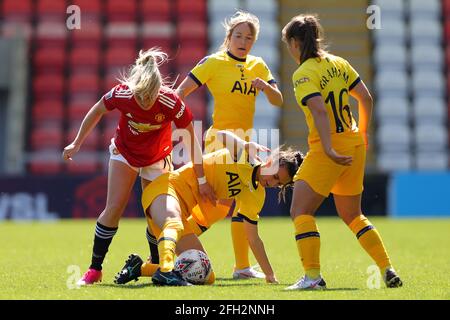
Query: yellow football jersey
[[331, 77], [230, 179], [229, 79]]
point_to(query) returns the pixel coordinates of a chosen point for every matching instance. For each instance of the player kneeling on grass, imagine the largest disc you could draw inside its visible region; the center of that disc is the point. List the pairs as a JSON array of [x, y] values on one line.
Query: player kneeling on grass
[[177, 214]]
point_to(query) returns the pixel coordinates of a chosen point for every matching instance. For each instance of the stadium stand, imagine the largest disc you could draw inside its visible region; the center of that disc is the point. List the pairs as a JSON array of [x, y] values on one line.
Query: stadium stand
[[71, 69], [410, 86]]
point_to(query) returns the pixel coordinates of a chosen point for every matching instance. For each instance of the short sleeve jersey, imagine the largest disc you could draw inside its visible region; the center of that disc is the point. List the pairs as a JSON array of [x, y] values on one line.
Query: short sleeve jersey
[[229, 79], [331, 77], [144, 137], [231, 179]]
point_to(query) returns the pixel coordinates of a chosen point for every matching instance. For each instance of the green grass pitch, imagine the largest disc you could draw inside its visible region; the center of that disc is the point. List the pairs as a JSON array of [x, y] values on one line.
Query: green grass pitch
[[43, 261]]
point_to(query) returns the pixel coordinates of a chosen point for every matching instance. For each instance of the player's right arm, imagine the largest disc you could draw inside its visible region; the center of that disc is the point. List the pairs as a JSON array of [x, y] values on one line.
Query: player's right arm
[[257, 246], [235, 145], [319, 112], [186, 87], [365, 106], [89, 122]]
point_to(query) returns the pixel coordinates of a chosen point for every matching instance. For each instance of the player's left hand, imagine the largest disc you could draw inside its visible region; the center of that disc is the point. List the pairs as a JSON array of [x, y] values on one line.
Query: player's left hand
[[260, 84], [272, 279], [252, 148], [207, 193]]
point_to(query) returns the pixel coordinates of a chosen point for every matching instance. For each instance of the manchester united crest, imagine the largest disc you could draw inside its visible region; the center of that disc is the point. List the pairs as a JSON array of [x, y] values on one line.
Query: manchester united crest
[[160, 117]]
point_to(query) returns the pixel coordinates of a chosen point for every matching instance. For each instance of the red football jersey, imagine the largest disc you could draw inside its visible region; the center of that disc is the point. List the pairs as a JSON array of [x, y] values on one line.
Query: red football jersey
[[144, 137]]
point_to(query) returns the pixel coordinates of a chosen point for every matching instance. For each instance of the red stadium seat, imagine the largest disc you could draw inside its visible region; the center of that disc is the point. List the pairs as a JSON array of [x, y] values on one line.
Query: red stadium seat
[[90, 143], [109, 128], [191, 10], [84, 83], [121, 34], [51, 10], [158, 34], [84, 162], [14, 10], [49, 60], [48, 87], [84, 60], [447, 55], [447, 28], [50, 137], [197, 104], [76, 111], [110, 81], [446, 8], [121, 11], [119, 59], [51, 34], [83, 88], [192, 33], [48, 113], [92, 10], [188, 55], [45, 162], [152, 10], [89, 36], [164, 44]]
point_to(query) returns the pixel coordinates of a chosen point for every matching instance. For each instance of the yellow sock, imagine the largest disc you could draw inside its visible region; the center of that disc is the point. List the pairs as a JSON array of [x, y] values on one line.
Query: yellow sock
[[148, 269], [167, 241], [370, 240], [240, 243], [308, 244], [211, 278]]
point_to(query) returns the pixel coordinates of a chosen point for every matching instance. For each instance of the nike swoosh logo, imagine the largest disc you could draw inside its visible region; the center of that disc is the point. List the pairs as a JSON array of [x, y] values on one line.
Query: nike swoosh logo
[[167, 279], [314, 284]]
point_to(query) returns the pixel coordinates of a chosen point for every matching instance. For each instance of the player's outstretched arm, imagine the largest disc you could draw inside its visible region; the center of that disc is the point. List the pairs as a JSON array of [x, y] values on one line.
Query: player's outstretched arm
[[89, 122], [257, 246], [235, 144]]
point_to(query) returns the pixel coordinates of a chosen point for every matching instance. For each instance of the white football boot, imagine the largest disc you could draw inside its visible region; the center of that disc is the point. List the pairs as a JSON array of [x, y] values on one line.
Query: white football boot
[[306, 283], [248, 273]]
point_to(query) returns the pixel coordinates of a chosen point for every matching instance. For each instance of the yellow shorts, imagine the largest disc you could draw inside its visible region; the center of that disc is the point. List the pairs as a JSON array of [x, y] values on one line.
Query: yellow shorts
[[206, 214], [203, 212], [164, 185], [324, 175]]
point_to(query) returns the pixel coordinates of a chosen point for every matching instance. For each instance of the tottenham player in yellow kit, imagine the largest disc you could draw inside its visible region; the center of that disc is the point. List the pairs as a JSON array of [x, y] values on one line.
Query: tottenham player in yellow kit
[[337, 150], [234, 79], [172, 198]]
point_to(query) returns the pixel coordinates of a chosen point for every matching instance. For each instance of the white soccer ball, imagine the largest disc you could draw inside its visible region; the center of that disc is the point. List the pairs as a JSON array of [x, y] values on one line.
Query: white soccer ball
[[194, 266]]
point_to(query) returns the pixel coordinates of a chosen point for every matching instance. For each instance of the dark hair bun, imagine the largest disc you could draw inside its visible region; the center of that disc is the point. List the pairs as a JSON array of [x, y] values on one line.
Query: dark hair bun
[[299, 158]]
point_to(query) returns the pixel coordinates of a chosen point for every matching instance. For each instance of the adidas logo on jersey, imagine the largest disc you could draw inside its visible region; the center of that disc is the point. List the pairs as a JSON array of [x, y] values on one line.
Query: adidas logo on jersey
[[168, 102]]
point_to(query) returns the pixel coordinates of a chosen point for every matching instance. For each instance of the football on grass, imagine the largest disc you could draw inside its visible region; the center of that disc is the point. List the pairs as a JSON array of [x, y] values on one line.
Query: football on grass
[[194, 266]]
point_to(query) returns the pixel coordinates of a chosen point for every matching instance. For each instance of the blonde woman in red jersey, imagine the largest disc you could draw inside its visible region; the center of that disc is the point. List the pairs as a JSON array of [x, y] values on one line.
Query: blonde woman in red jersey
[[141, 146]]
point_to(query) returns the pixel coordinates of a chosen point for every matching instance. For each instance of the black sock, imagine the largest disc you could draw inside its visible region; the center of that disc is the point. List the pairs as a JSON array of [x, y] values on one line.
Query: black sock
[[102, 240], [153, 244]]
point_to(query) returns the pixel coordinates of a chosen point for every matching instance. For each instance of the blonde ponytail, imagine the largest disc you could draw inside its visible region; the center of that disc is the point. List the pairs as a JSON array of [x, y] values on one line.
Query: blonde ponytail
[[143, 78]]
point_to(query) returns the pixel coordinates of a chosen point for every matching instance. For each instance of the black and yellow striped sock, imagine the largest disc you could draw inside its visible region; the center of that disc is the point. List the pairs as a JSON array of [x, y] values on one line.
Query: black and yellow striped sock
[[167, 241], [370, 240], [152, 244], [307, 237]]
